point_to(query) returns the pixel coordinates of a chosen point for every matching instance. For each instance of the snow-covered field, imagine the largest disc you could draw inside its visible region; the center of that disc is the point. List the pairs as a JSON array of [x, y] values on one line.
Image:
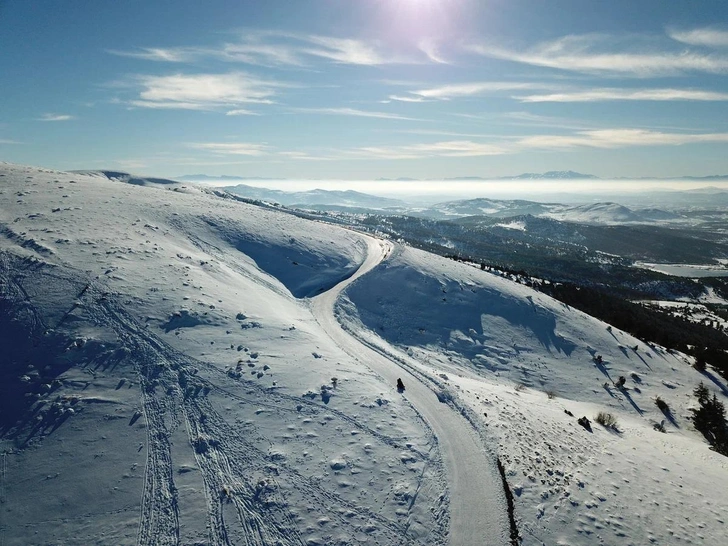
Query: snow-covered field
[[173, 373]]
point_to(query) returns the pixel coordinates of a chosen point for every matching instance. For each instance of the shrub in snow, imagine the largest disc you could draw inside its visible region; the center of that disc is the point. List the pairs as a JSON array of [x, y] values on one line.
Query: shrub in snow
[[662, 405], [607, 420], [620, 382]]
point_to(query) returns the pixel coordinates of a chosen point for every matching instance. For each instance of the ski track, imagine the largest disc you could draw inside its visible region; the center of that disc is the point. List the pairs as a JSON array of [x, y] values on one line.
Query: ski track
[[477, 500], [240, 509], [228, 461]]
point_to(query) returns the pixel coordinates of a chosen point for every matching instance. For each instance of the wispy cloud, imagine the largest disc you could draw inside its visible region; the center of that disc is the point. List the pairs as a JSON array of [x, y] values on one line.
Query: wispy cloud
[[599, 139], [55, 117], [451, 148], [405, 98], [433, 53], [232, 148], [459, 148], [303, 156], [272, 48], [204, 91], [169, 55], [595, 54], [345, 51], [8, 141], [446, 92], [528, 119], [241, 112], [437, 132], [618, 138], [710, 37], [254, 51], [613, 94], [354, 112]]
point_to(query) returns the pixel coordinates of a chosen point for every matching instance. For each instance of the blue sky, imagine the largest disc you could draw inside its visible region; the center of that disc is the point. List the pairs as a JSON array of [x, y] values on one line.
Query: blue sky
[[366, 89]]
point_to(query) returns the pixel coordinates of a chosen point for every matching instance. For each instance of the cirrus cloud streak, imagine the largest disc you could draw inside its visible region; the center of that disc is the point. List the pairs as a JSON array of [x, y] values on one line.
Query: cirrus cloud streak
[[616, 94]]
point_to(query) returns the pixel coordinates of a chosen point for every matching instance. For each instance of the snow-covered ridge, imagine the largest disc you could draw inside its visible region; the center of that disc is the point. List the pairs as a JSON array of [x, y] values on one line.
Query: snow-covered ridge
[[171, 384], [175, 391]]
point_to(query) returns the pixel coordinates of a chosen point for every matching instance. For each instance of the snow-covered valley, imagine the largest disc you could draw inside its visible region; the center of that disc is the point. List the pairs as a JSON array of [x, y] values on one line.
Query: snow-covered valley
[[182, 367]]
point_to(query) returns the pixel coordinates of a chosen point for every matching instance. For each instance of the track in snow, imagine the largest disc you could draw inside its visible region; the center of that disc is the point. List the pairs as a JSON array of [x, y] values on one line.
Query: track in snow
[[477, 501]]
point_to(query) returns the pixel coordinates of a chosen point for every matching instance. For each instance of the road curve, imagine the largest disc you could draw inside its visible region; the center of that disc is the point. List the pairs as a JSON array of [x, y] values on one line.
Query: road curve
[[478, 513]]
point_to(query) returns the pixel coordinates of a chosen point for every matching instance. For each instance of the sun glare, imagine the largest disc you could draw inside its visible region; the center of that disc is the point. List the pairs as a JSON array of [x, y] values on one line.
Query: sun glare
[[412, 21]]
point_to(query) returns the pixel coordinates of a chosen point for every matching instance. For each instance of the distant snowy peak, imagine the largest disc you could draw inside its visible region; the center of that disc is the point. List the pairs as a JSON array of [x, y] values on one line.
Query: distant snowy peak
[[555, 175]]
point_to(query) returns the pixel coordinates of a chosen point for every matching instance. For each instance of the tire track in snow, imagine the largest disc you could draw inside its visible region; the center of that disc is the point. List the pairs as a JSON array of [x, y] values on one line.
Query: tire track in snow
[[159, 518], [478, 513], [229, 460]]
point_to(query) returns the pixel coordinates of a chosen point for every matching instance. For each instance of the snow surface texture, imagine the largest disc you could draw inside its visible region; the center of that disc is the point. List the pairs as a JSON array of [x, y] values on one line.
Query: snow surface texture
[[164, 382], [166, 389], [516, 361]]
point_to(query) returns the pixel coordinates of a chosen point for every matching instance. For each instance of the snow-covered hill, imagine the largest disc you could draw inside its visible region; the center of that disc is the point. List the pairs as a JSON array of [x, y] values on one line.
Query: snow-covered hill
[[611, 213], [520, 362], [487, 207], [170, 376], [606, 213], [161, 366]]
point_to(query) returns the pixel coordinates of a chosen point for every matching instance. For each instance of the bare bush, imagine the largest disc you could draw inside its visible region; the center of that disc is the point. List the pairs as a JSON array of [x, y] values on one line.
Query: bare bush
[[607, 420]]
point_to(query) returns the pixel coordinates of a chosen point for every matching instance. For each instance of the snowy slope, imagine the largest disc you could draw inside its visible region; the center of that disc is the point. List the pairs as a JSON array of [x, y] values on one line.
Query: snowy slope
[[173, 391], [168, 378], [516, 360]]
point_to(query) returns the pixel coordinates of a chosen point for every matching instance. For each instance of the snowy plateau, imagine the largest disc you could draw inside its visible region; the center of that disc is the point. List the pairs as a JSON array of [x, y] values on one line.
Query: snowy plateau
[[182, 366]]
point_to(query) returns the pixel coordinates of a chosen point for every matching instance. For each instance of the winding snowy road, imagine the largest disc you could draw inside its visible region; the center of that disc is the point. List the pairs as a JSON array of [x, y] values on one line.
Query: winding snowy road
[[478, 513]]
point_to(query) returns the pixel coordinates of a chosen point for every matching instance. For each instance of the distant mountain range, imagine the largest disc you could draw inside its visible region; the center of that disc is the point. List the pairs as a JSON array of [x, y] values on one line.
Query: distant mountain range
[[549, 175], [552, 175], [593, 213], [321, 198]]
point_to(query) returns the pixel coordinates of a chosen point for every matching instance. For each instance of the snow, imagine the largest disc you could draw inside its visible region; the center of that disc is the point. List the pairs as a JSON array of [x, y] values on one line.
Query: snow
[[518, 226], [517, 360], [200, 403], [693, 312], [686, 270], [175, 371]]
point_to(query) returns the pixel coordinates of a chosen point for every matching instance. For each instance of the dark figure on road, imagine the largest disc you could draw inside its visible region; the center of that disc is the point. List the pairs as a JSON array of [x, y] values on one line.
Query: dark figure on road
[[400, 385]]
